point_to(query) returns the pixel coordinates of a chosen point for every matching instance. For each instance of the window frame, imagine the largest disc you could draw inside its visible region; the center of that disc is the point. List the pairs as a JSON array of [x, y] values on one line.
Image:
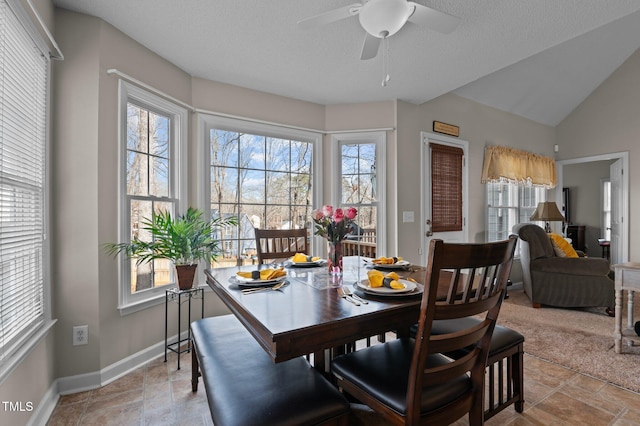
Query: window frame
[[19, 348], [378, 138], [207, 121], [129, 302], [517, 208]]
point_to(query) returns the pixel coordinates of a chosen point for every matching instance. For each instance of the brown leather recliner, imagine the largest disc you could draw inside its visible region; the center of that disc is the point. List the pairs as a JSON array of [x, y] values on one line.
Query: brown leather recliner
[[561, 281]]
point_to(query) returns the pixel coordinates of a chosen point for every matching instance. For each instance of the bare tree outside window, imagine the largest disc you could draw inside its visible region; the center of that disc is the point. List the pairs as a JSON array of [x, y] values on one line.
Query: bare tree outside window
[[358, 178], [148, 185], [264, 181]]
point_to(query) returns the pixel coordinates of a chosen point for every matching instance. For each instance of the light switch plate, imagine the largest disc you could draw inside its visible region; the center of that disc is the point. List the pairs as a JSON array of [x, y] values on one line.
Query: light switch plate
[[408, 217]]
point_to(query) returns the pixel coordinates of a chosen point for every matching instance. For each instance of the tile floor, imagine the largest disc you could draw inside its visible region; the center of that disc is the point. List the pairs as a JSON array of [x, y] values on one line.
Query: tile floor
[[158, 394]]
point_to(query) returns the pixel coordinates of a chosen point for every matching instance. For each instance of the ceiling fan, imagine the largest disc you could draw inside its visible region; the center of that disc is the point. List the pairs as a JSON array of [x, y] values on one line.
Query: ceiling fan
[[383, 18]]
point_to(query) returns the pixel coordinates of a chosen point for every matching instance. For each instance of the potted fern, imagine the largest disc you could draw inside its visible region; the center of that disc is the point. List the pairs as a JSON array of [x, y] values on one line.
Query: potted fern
[[184, 240]]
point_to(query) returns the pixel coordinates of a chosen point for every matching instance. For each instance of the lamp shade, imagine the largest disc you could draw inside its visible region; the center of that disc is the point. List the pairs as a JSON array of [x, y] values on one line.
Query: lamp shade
[[547, 211]]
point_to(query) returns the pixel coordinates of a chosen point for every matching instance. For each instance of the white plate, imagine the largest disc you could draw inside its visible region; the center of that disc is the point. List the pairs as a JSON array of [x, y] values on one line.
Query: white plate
[[409, 286], [314, 263], [401, 264], [249, 281]]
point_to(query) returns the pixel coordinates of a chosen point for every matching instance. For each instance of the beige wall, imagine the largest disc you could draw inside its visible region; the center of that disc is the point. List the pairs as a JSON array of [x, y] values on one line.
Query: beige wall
[[607, 121], [75, 180], [480, 126], [228, 99], [29, 383]]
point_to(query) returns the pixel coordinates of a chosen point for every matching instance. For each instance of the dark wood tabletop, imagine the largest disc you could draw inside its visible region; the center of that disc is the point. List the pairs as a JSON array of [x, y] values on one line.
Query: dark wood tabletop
[[307, 315]]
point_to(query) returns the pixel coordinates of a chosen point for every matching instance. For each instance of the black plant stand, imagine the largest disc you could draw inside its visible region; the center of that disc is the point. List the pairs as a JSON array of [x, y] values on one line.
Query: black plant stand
[[178, 295]]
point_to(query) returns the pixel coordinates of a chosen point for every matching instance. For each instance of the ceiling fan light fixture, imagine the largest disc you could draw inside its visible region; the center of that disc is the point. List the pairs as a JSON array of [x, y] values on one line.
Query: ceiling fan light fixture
[[384, 18]]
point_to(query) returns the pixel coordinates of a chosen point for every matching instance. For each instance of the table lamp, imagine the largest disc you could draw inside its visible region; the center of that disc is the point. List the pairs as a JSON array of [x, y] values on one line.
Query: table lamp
[[547, 211]]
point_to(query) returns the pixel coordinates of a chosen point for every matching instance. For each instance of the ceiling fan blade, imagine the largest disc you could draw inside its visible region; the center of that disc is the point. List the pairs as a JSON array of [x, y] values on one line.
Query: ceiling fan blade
[[370, 47], [329, 17], [434, 19]]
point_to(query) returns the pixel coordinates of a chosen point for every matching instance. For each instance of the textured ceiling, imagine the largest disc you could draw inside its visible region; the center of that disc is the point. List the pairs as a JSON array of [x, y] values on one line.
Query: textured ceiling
[[535, 58]]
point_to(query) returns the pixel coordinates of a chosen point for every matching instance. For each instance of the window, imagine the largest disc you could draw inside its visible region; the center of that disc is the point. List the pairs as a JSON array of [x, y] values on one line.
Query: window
[[24, 75], [152, 144], [264, 175], [361, 184], [510, 204]]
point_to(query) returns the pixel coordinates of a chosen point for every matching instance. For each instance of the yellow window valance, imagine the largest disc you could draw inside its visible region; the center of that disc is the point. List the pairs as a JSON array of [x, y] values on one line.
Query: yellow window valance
[[503, 163]]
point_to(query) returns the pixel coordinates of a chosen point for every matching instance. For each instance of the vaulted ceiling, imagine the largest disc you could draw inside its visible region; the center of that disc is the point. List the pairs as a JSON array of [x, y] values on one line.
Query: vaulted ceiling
[[535, 58]]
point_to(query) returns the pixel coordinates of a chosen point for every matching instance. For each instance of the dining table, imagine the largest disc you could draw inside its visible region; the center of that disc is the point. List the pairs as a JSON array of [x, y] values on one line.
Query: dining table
[[307, 315]]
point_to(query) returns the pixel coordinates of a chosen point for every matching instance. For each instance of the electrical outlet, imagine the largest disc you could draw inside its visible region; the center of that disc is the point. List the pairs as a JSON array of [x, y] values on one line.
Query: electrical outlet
[[80, 335]]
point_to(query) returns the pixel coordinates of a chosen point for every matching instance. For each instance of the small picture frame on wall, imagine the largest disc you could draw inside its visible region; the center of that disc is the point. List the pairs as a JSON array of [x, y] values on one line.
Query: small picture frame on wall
[[447, 129]]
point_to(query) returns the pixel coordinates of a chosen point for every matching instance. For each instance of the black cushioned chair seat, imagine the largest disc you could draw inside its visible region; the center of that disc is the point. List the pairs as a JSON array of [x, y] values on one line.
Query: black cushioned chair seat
[[245, 387], [383, 370]]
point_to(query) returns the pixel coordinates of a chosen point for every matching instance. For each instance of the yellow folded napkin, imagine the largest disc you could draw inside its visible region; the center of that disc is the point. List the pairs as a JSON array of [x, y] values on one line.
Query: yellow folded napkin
[[303, 258], [264, 274], [386, 260], [378, 279]]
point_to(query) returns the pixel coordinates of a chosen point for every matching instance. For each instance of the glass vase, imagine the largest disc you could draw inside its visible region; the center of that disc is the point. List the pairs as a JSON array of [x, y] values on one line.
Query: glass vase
[[335, 258]]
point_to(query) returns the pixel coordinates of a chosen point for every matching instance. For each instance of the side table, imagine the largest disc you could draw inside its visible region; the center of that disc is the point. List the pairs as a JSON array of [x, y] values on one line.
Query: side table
[[627, 278], [606, 245], [178, 295]]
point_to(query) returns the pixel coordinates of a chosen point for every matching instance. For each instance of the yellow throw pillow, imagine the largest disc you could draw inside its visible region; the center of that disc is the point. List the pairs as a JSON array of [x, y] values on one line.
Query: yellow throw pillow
[[562, 246]]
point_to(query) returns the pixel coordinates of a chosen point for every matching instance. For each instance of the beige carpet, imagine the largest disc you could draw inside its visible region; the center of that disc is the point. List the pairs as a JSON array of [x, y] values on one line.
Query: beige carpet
[[580, 339]]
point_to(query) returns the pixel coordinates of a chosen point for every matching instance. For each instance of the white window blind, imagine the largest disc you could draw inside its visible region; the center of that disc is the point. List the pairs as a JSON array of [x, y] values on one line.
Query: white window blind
[[23, 111]]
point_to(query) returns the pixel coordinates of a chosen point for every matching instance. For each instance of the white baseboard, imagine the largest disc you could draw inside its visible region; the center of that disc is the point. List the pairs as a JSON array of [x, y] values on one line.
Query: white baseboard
[[46, 406], [94, 380]]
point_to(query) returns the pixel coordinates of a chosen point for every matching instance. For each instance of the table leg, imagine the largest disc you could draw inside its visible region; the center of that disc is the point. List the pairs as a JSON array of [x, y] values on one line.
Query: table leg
[[319, 361], [202, 304], [166, 330], [179, 317], [189, 323], [617, 334], [630, 308]]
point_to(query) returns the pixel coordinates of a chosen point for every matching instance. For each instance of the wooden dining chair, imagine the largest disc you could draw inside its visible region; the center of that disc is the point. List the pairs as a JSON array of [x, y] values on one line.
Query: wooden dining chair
[[279, 244], [409, 381]]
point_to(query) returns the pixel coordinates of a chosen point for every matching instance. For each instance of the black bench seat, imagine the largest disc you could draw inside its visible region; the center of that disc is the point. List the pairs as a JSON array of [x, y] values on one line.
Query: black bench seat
[[245, 387]]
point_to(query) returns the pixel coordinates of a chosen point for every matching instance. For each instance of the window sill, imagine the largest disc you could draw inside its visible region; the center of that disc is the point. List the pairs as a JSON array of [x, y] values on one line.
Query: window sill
[[11, 363], [133, 307]]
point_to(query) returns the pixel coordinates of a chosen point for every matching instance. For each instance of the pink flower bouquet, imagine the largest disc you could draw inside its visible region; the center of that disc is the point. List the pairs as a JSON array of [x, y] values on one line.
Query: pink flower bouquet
[[333, 224]]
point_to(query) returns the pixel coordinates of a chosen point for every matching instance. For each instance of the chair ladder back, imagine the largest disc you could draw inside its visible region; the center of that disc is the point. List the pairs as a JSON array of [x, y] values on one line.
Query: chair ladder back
[[454, 369], [451, 342], [470, 279], [454, 284], [280, 243]]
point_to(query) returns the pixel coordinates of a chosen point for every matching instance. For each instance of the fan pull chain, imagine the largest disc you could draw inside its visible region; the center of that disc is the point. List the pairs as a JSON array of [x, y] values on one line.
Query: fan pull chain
[[385, 61]]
